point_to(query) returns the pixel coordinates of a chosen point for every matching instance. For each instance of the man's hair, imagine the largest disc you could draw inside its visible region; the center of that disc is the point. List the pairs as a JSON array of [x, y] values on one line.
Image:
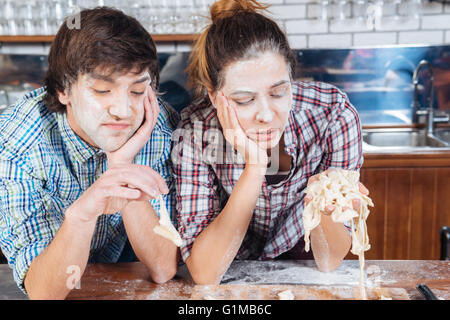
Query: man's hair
[[107, 41]]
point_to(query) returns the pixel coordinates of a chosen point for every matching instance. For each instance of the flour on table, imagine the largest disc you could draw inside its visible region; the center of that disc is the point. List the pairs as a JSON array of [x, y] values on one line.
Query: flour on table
[[286, 295], [339, 188], [166, 228]]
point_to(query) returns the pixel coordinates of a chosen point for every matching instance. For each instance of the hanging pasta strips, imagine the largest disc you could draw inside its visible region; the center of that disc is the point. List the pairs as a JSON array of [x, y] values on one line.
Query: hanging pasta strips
[[166, 228], [338, 188]]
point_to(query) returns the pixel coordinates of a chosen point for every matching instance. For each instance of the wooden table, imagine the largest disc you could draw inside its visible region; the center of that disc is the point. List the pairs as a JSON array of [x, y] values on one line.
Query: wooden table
[[131, 280]]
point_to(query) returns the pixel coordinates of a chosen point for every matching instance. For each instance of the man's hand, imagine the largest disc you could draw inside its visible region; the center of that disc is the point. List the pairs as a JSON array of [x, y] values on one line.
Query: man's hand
[[330, 208], [115, 189], [126, 154]]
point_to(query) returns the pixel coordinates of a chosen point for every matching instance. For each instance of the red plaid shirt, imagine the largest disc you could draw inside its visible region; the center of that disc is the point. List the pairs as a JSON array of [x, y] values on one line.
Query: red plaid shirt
[[323, 131]]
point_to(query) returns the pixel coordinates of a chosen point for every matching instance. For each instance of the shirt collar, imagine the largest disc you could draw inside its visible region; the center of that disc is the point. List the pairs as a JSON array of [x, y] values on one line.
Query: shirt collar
[[78, 149]]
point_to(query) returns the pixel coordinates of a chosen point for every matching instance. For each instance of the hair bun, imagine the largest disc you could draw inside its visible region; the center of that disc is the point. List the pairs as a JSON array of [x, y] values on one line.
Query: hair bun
[[227, 8]]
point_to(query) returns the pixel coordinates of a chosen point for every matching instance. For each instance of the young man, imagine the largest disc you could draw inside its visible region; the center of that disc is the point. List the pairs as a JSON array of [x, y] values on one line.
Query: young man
[[82, 158]]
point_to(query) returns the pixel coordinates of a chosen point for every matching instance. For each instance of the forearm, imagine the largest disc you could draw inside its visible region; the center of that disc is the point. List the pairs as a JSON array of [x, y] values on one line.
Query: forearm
[[51, 273], [330, 243], [158, 254], [217, 245]]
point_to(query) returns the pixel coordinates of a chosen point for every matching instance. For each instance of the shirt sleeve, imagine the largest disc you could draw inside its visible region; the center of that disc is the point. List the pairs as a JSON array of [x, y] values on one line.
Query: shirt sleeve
[[26, 223], [343, 141], [197, 196]]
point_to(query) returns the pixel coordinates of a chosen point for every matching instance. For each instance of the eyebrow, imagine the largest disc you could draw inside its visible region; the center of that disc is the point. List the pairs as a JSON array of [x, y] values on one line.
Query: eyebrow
[[279, 83], [111, 80]]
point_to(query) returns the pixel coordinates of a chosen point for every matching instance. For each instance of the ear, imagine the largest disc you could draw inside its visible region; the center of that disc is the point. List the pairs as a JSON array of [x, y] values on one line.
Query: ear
[[212, 96], [63, 97]]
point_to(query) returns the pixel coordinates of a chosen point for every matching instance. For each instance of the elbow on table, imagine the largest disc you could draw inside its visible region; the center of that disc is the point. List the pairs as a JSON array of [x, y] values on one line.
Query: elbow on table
[[162, 276], [328, 265], [202, 276]]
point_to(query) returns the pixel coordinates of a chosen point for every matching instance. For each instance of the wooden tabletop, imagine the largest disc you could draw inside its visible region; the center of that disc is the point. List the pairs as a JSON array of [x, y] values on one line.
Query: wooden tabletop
[[131, 280]]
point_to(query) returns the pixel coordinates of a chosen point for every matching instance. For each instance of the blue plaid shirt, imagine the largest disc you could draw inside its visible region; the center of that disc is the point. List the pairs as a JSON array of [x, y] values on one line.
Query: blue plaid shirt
[[45, 167]]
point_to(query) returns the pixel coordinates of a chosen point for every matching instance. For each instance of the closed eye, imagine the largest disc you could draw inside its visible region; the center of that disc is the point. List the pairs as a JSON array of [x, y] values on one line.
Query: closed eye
[[101, 91], [245, 102], [137, 93], [279, 93]]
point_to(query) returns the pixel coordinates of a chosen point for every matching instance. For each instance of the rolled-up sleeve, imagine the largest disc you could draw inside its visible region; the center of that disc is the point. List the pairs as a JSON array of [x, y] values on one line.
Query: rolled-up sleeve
[[26, 225], [197, 196], [343, 142]]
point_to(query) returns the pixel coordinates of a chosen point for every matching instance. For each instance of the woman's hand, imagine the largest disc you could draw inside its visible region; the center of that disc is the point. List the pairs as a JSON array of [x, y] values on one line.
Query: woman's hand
[[126, 154], [330, 208], [235, 135]]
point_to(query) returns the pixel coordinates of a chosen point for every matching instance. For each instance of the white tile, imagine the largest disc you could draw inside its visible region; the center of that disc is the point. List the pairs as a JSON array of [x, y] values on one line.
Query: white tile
[[330, 41], [24, 48], [286, 12], [393, 24], [313, 11], [447, 37], [183, 47], [421, 37], [374, 38], [271, 1], [447, 8], [166, 47], [441, 21], [298, 42], [299, 1], [306, 26], [349, 25]]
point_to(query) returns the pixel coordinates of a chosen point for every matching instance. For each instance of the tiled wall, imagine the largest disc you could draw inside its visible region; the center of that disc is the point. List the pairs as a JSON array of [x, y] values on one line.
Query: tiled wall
[[305, 30], [299, 19]]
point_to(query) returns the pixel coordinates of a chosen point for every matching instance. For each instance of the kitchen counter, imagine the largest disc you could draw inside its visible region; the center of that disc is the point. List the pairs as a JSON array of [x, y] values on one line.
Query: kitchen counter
[[131, 280]]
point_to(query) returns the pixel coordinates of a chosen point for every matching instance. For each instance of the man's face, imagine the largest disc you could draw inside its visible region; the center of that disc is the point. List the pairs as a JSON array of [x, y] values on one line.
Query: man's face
[[106, 110]]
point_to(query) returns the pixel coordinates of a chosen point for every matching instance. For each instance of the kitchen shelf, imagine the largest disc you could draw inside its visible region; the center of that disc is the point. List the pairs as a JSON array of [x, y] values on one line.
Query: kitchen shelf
[[49, 39]]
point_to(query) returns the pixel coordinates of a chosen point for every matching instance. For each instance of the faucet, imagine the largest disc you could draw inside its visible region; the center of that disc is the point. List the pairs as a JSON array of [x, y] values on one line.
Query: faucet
[[429, 112]]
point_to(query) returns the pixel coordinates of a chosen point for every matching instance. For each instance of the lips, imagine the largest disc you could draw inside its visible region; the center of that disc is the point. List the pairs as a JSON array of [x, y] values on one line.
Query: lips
[[117, 126], [265, 135]]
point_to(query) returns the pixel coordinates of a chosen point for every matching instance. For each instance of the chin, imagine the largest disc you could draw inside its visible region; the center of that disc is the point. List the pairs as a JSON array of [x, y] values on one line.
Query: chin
[[111, 146]]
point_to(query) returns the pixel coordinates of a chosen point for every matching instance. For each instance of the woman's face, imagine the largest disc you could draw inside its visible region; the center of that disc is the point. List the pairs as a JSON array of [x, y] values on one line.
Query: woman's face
[[260, 91]]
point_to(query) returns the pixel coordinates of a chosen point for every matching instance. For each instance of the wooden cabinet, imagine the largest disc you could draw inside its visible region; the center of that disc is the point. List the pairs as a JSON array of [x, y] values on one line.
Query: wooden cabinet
[[411, 194]]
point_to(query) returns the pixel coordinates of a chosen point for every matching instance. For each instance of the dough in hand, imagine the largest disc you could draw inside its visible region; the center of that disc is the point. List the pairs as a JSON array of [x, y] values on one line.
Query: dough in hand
[[166, 228]]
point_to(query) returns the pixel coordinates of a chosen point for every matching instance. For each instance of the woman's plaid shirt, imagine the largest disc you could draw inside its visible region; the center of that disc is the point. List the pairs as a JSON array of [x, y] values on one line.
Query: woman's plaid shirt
[[323, 131]]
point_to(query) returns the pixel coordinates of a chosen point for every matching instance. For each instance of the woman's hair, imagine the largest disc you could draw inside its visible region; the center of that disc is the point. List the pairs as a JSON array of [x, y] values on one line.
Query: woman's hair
[[107, 40], [238, 31]]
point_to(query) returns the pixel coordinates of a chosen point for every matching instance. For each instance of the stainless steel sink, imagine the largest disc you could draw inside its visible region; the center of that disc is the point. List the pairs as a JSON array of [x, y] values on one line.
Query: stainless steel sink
[[403, 140], [443, 134]]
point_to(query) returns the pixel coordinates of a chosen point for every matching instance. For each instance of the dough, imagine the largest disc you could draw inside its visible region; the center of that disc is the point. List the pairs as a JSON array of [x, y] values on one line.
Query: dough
[[339, 188], [286, 295], [166, 228]]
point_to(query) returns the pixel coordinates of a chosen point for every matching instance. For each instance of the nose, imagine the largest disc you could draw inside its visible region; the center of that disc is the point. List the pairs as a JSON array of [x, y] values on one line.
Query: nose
[[265, 113], [121, 106]]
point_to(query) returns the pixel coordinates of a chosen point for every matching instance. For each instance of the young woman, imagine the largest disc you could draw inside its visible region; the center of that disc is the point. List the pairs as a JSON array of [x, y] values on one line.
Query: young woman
[[243, 197]]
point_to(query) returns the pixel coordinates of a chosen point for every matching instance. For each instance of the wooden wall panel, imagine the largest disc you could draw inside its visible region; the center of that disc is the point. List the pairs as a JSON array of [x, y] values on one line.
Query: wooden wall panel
[[398, 197], [375, 180], [422, 208], [442, 206]]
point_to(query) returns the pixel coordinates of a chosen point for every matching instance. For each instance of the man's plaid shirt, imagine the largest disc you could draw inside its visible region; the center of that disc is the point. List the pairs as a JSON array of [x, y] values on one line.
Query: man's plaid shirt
[[323, 131], [45, 167]]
